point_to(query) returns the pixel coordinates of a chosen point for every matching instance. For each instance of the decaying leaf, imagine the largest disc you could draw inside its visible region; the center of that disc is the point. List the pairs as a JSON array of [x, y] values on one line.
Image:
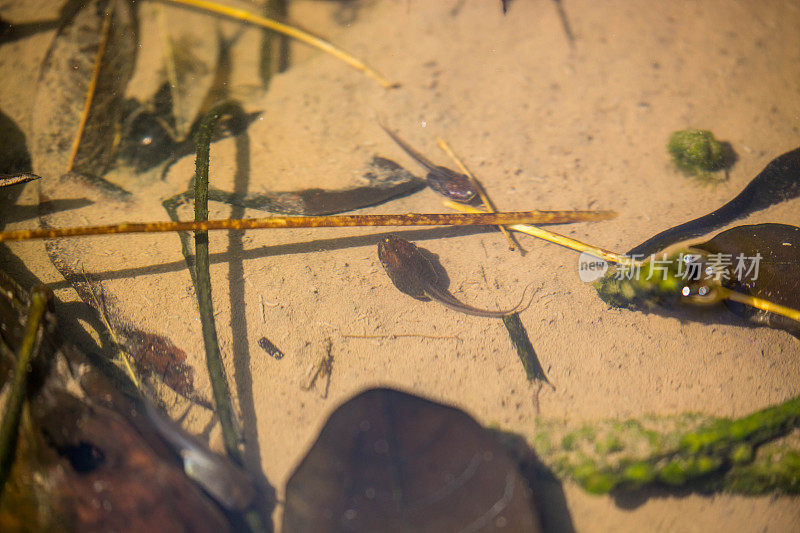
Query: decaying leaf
[[390, 461], [78, 102], [187, 50], [157, 359], [85, 459]]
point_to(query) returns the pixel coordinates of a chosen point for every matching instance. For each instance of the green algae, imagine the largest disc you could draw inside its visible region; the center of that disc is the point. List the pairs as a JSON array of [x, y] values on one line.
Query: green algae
[[697, 153], [756, 454]]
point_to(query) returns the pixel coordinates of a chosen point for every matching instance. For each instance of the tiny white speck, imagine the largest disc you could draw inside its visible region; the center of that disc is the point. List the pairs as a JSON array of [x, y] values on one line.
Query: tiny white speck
[[424, 124]]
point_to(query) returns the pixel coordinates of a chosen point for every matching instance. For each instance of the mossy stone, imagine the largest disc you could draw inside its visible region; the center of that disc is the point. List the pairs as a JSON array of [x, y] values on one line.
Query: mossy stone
[[696, 152]]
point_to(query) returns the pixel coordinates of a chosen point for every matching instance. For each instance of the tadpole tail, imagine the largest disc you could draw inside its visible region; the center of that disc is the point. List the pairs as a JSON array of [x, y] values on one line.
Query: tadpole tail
[[451, 302], [418, 157], [778, 182]]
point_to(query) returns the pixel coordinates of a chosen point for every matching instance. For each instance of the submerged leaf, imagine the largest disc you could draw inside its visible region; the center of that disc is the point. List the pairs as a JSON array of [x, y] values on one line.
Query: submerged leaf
[[390, 461], [190, 77], [157, 358], [86, 460], [79, 95]]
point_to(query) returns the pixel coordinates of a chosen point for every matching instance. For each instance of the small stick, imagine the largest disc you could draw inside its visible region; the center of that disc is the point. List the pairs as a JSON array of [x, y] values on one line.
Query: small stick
[[403, 336], [333, 221], [490, 207], [14, 179], [760, 303], [550, 236], [300, 35], [13, 408]]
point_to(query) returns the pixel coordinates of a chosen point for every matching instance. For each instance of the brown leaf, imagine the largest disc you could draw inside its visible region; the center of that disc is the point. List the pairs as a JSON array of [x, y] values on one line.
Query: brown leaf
[[390, 461], [86, 460], [79, 95], [157, 358]]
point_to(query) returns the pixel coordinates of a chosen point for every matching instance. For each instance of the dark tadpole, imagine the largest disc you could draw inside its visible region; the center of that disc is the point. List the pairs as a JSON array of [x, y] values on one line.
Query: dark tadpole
[[414, 274], [450, 184], [778, 182]]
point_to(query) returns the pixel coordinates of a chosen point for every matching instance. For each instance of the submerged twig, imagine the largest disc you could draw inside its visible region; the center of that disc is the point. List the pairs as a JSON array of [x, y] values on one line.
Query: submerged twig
[[15, 179], [300, 35], [333, 221], [553, 237], [10, 425]]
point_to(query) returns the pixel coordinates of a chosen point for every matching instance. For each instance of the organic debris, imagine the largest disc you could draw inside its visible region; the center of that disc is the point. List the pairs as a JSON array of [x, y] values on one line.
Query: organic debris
[[387, 460]]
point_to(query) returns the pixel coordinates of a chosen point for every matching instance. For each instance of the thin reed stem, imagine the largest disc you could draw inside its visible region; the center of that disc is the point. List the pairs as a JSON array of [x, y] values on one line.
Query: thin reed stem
[[331, 221]]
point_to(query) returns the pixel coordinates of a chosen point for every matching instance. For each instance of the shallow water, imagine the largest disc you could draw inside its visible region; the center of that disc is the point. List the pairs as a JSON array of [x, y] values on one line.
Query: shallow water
[[544, 125]]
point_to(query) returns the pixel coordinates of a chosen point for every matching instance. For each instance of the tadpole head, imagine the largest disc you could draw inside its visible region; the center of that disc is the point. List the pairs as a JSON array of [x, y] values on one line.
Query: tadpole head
[[451, 184], [408, 269]]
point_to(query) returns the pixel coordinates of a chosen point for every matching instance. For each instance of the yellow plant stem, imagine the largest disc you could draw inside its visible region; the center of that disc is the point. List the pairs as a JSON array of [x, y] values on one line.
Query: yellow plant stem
[[556, 238], [300, 35], [490, 207], [333, 221], [752, 301], [760, 303]]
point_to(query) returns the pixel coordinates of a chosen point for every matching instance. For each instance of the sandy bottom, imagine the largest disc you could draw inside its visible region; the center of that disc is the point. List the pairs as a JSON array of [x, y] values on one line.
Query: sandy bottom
[[545, 126]]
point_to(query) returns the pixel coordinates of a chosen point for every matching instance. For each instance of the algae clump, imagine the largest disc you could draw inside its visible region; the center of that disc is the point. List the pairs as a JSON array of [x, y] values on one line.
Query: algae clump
[[697, 153]]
